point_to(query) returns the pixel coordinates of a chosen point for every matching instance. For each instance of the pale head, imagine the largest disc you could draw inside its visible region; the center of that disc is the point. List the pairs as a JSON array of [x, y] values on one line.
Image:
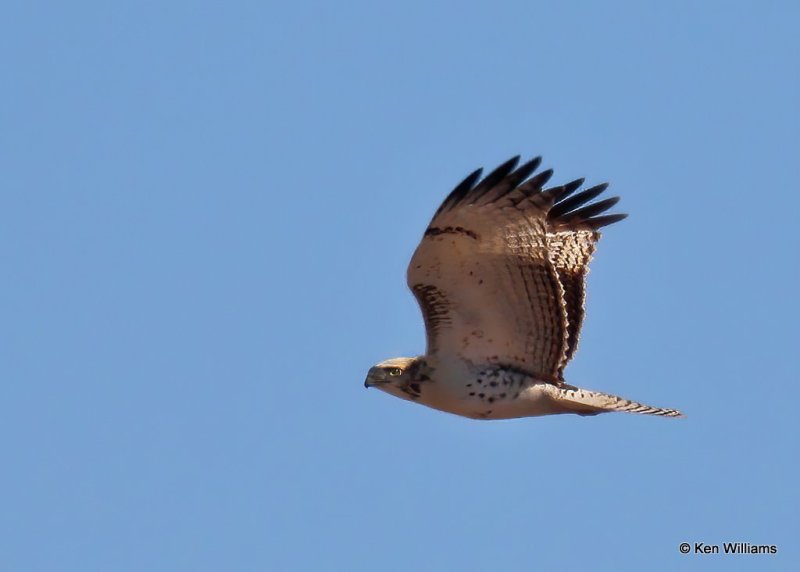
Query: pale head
[[395, 376]]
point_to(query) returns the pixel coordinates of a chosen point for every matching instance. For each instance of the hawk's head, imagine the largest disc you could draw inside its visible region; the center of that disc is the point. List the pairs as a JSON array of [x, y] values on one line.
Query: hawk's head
[[397, 376]]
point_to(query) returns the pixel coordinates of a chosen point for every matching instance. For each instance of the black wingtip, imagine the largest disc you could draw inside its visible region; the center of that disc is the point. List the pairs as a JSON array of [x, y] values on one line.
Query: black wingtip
[[461, 190], [562, 191], [573, 186], [534, 163], [535, 183], [504, 168], [601, 221], [573, 210], [599, 188], [568, 208], [498, 174], [594, 209], [587, 216], [470, 180], [525, 170], [569, 204]]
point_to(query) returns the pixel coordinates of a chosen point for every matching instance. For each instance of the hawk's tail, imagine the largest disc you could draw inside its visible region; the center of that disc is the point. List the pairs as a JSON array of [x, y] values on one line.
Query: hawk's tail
[[586, 402]]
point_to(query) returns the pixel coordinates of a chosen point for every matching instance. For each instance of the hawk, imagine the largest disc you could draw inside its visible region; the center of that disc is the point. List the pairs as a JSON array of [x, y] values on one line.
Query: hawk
[[500, 277]]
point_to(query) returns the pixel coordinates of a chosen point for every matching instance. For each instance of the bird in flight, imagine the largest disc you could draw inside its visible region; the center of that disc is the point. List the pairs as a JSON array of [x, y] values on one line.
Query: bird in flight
[[500, 277]]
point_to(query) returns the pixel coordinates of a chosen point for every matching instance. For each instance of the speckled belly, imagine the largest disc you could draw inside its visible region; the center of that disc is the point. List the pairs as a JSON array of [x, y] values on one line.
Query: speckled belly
[[492, 392]]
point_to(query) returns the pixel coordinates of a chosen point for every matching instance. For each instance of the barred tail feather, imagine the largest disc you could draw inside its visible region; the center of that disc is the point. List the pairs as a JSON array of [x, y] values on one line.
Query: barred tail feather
[[586, 402]]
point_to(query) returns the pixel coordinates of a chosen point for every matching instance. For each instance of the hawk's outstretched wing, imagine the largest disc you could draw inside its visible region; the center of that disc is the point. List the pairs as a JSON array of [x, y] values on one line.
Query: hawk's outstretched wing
[[572, 235], [499, 272]]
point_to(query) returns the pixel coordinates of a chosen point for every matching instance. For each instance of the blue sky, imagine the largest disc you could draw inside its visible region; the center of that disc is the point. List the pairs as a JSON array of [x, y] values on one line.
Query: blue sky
[[205, 218]]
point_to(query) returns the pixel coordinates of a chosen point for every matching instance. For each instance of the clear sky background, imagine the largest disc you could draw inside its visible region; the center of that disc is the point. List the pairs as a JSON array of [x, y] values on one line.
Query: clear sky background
[[206, 212]]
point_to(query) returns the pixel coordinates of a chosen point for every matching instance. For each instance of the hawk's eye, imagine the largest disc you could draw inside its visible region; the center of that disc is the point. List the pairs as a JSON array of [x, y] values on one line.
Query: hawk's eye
[[395, 371]]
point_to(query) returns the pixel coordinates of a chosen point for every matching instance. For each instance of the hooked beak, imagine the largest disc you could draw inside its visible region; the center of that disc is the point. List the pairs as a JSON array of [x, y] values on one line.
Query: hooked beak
[[375, 376]]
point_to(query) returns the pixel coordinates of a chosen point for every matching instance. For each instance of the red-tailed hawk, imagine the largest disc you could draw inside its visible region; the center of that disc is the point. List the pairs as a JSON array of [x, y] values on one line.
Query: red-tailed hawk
[[500, 278]]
